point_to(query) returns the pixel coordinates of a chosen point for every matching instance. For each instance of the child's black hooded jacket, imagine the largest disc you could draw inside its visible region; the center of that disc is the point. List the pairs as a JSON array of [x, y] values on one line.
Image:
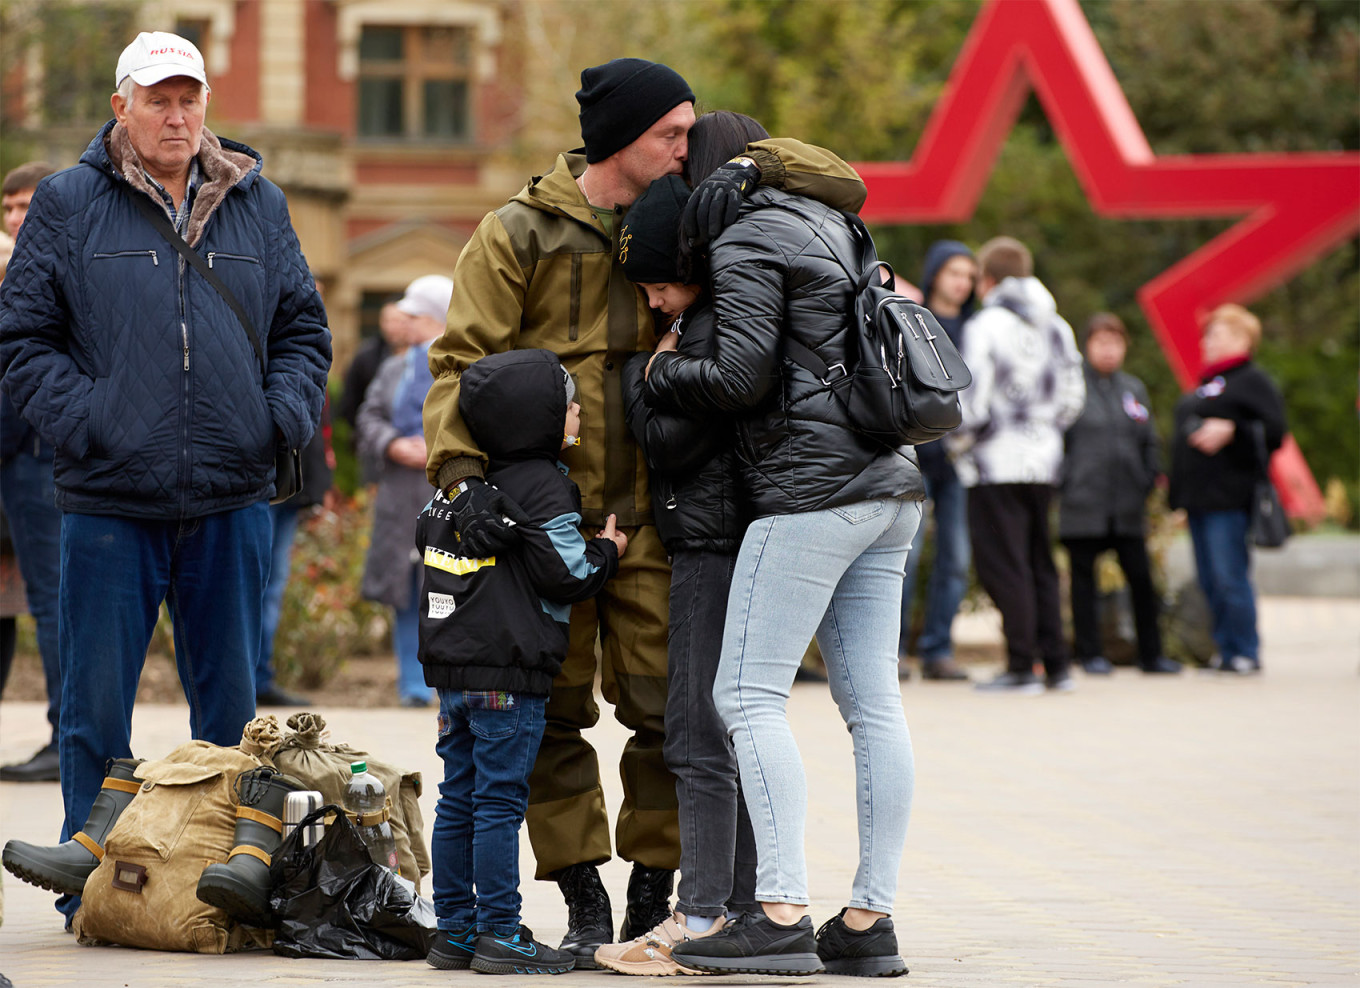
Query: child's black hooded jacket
[[501, 623]]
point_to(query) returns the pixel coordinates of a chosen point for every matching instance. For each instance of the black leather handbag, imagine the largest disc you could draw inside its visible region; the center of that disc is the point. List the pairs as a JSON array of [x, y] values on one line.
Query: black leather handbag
[[287, 459], [1269, 527]]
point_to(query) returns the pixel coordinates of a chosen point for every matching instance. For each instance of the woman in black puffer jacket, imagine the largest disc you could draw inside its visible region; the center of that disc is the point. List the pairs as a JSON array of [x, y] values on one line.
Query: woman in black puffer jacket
[[834, 514]]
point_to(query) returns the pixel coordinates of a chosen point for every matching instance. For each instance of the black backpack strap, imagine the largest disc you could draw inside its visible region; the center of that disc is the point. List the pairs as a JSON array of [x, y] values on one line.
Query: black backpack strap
[[155, 215]]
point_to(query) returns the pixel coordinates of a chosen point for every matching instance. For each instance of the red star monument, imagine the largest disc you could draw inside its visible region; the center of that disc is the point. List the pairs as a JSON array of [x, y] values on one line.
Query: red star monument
[[1294, 207]]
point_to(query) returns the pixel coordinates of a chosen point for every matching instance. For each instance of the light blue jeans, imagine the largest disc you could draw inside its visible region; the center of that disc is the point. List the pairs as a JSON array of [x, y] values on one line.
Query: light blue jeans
[[836, 573]]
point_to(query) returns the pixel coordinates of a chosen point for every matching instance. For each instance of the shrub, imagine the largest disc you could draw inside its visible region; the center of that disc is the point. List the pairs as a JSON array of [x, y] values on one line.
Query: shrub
[[323, 620]]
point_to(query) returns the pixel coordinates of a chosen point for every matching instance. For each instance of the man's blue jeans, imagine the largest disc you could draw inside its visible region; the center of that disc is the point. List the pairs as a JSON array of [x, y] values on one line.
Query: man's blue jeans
[[1223, 565], [474, 845], [948, 582], [836, 573], [35, 526], [284, 518], [211, 573]]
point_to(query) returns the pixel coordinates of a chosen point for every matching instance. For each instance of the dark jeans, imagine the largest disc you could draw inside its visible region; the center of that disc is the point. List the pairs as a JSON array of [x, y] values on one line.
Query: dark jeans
[[1133, 560], [948, 582], [35, 527], [717, 847], [211, 573], [474, 846], [1014, 561], [1223, 565]]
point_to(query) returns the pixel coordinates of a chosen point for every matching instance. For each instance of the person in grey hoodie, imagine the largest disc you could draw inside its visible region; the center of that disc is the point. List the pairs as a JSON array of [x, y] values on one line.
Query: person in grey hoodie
[[1027, 389], [948, 285]]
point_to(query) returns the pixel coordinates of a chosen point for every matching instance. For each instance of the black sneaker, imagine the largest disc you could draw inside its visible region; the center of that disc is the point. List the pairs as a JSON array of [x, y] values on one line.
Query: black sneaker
[[870, 953], [453, 949], [517, 952], [753, 944]]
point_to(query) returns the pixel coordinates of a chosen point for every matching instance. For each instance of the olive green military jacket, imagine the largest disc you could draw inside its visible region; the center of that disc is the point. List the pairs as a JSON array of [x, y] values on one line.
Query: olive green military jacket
[[541, 271]]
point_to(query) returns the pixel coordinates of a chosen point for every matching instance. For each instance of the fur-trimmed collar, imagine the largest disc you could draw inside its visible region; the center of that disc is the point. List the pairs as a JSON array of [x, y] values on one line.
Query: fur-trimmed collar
[[222, 168]]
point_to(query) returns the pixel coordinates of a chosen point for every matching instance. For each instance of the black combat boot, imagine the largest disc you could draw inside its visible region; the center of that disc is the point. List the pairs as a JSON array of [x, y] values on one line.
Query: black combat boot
[[65, 867], [240, 886], [649, 901], [589, 920]]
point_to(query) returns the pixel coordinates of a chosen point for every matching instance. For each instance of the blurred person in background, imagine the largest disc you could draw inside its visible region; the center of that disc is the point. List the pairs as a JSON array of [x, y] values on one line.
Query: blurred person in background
[[1027, 389], [1214, 466], [28, 499], [949, 283], [394, 336], [391, 447], [1111, 461]]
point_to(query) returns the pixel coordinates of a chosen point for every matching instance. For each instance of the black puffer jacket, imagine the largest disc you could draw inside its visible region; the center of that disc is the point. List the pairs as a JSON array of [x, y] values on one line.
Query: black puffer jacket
[[1244, 394], [772, 274], [693, 467], [1111, 458]]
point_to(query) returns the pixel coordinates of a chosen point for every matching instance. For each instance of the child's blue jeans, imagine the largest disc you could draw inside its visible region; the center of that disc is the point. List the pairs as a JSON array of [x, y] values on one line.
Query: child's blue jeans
[[488, 742]]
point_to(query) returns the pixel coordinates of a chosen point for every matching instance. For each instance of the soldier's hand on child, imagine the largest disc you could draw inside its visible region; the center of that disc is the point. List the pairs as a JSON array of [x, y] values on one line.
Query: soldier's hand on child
[[487, 521], [610, 532]]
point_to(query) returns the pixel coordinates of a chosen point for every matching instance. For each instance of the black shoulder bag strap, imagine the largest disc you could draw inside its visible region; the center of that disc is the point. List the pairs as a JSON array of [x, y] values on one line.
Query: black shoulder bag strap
[[157, 218]]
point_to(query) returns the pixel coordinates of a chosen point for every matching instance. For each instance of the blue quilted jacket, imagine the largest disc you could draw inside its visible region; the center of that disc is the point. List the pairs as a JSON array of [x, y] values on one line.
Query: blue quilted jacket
[[128, 362]]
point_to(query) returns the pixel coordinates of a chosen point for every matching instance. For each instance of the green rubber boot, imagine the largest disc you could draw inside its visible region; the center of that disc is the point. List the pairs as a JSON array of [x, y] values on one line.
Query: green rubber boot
[[65, 867], [240, 886]]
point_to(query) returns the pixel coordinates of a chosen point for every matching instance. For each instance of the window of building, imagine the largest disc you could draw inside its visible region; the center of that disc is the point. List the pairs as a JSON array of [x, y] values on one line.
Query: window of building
[[370, 311], [414, 83], [194, 30], [79, 50]]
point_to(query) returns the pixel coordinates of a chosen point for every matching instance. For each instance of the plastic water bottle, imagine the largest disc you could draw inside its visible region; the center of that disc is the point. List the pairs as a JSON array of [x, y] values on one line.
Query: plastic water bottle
[[365, 795]]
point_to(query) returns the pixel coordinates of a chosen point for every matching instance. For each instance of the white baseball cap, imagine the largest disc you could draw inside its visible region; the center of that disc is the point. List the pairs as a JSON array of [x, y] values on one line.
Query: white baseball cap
[[428, 295], [155, 56]]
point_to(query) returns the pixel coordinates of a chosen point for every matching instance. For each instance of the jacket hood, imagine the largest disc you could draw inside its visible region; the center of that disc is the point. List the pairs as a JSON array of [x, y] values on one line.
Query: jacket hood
[[225, 164], [557, 191], [515, 404], [1026, 298], [936, 255]]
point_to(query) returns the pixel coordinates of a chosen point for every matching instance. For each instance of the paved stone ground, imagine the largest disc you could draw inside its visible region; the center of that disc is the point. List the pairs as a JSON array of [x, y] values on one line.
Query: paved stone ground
[[1188, 831]]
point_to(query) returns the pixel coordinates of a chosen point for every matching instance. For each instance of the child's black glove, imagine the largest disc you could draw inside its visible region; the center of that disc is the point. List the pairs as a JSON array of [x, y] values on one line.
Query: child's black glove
[[485, 518], [715, 201]]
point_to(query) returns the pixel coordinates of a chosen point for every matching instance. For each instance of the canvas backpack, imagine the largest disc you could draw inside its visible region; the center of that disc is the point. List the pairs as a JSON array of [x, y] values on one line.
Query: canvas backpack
[[902, 376], [144, 891]]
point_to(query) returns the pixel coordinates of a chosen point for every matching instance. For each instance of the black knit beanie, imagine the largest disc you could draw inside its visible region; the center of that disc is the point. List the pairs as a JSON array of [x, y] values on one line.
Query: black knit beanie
[[621, 99], [649, 241]]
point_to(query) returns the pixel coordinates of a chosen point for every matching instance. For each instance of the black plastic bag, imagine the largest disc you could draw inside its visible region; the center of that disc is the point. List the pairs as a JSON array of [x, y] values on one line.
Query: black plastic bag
[[330, 900]]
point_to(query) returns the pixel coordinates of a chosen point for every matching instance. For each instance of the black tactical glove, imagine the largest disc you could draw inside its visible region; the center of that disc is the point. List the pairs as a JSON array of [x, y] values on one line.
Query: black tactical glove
[[715, 201], [486, 520]]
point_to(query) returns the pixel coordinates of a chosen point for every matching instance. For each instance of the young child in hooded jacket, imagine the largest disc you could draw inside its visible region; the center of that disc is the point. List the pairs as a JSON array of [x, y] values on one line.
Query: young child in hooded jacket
[[493, 634]]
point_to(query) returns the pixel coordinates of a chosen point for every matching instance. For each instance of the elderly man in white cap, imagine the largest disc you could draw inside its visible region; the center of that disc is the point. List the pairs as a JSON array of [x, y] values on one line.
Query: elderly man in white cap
[[391, 447], [160, 328]]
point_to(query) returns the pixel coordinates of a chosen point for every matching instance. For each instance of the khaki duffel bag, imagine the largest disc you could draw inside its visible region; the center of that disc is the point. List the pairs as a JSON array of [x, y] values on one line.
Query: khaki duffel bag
[[144, 891]]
